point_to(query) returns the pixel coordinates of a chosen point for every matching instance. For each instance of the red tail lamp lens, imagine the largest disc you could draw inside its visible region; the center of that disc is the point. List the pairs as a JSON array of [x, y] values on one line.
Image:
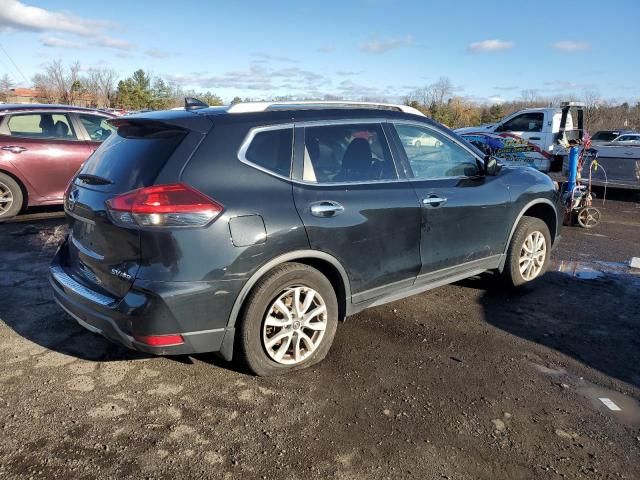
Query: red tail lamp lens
[[175, 205]]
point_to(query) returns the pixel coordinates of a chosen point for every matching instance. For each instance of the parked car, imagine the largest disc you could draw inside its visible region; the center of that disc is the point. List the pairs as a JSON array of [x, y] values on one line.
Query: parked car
[[626, 139], [252, 230], [606, 136], [41, 148], [618, 166], [532, 137]]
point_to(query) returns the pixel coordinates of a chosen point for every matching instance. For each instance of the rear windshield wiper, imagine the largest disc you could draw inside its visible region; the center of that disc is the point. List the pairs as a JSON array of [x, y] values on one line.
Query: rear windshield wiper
[[93, 179]]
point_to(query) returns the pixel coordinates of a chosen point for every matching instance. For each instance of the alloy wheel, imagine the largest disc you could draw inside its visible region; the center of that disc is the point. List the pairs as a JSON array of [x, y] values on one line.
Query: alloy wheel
[[294, 325], [532, 255], [6, 198]]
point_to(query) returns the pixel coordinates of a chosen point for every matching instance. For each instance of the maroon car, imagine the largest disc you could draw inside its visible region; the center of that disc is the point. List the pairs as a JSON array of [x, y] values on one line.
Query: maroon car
[[41, 147]]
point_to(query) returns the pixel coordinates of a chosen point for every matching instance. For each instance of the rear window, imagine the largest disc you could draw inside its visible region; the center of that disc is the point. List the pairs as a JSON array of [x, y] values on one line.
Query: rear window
[[133, 156]]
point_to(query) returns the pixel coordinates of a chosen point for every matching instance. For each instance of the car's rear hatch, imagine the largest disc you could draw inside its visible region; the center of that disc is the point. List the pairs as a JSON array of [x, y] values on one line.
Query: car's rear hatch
[[100, 253]]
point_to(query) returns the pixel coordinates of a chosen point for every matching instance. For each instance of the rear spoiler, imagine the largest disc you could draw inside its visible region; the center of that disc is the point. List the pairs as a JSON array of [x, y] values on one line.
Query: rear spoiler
[[165, 120]]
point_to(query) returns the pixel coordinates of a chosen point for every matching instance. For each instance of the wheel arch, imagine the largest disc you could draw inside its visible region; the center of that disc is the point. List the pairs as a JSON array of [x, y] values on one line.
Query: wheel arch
[[541, 208], [327, 264]]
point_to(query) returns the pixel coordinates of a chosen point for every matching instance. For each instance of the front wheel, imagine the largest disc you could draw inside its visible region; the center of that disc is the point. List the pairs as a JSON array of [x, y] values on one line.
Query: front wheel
[[529, 252], [289, 320]]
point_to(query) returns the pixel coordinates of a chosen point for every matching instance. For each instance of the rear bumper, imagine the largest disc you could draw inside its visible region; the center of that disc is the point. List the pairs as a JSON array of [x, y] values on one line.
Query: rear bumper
[[138, 313]]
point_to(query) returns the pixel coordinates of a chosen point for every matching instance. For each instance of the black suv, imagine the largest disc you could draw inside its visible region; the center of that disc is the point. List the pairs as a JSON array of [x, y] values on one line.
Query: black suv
[[251, 230]]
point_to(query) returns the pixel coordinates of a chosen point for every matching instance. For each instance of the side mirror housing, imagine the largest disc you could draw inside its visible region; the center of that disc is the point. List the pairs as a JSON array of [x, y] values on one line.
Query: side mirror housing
[[491, 166]]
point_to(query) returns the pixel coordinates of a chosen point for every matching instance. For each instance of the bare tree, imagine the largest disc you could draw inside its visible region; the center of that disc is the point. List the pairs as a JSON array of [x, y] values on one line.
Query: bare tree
[[101, 86], [6, 84], [58, 83]]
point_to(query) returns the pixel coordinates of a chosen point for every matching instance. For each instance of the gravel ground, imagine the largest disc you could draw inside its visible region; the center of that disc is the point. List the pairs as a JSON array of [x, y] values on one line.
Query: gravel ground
[[468, 381]]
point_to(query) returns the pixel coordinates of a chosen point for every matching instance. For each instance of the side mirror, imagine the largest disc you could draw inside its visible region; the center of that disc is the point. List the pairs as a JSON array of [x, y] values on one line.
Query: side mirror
[[491, 166]]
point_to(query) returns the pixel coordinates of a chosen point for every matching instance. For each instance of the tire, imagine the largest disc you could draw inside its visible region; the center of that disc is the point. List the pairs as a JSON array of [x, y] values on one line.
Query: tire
[[263, 323], [11, 197], [535, 264]]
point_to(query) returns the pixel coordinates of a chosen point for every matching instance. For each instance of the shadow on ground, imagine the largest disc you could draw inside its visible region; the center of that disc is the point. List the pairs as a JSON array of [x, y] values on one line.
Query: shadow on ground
[[596, 321], [26, 303]]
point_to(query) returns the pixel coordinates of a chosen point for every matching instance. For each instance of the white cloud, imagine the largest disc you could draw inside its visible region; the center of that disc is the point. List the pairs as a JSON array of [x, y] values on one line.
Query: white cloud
[[507, 88], [257, 77], [496, 99], [327, 49], [154, 53], [58, 42], [267, 57], [494, 45], [571, 46], [382, 46], [16, 15]]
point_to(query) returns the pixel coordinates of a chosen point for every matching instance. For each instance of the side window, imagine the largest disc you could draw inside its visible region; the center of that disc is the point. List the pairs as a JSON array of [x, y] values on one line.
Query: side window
[[42, 125], [347, 153], [97, 127], [271, 149], [432, 155], [527, 122]]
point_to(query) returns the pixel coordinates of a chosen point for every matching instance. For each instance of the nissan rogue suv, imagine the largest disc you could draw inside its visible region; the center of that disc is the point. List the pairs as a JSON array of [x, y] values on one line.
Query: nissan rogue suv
[[252, 230]]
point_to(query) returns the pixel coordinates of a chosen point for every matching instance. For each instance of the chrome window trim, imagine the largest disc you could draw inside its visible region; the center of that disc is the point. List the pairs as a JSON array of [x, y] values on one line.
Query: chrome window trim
[[444, 134], [246, 143], [314, 123]]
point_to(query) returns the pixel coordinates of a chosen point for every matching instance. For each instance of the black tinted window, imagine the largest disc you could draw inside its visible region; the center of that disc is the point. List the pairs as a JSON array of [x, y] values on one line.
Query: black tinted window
[[605, 136], [133, 156], [271, 149], [347, 153], [527, 122]]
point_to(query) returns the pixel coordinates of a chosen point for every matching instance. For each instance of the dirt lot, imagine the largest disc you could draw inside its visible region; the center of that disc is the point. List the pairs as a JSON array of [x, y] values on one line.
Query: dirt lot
[[465, 382]]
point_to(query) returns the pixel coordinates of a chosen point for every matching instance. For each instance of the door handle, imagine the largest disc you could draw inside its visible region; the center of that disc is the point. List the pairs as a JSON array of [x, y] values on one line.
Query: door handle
[[326, 208], [13, 148], [534, 138], [434, 201]]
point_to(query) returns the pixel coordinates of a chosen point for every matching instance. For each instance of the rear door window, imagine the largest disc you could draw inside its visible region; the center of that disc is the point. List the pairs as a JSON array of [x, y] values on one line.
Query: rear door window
[[42, 125], [347, 153]]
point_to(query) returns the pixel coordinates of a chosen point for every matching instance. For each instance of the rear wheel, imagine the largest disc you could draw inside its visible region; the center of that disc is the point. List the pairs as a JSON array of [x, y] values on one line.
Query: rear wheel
[[529, 252], [10, 197], [289, 320]]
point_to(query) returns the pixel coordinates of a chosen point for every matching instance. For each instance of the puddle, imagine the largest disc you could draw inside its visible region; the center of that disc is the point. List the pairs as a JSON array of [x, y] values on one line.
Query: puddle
[[623, 408], [591, 270]]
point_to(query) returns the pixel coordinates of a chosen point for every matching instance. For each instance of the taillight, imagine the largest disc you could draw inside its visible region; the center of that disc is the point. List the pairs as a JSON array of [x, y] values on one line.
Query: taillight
[[175, 205]]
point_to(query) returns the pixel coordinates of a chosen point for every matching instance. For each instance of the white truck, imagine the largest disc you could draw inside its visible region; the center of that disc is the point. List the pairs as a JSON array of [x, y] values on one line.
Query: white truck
[[534, 137]]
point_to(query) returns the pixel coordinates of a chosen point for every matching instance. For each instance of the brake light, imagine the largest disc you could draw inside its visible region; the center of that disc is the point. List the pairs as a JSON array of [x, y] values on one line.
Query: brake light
[[175, 205]]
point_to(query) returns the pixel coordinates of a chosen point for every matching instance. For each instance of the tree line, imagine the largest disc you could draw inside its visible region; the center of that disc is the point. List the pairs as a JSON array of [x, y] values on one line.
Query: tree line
[[102, 88], [439, 101]]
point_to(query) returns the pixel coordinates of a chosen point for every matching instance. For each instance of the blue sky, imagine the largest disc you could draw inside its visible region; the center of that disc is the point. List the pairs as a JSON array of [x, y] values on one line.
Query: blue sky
[[490, 50]]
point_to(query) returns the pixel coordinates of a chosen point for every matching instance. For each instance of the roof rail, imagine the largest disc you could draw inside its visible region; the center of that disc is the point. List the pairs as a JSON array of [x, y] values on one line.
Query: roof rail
[[248, 107]]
